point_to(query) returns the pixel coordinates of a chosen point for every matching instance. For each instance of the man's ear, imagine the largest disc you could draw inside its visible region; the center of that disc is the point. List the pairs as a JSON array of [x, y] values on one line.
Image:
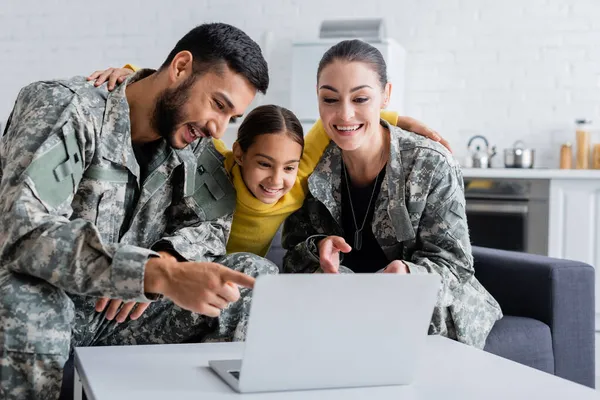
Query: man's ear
[[181, 66], [238, 153]]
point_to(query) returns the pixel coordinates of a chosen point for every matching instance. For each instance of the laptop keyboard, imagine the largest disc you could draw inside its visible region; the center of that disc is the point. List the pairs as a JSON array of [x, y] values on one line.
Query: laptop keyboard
[[235, 374]]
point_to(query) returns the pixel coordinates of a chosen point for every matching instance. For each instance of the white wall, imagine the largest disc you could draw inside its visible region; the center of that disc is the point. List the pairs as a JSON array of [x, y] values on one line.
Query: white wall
[[508, 69]]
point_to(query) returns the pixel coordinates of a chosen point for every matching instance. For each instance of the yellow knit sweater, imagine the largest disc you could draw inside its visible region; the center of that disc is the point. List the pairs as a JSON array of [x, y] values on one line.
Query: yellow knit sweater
[[254, 222]]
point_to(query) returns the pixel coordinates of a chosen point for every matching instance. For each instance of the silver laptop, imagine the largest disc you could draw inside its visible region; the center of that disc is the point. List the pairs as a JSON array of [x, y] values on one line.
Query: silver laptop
[[318, 331]]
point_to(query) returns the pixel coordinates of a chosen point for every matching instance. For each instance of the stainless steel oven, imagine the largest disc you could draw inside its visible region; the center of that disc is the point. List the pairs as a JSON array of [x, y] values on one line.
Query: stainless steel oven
[[509, 214]]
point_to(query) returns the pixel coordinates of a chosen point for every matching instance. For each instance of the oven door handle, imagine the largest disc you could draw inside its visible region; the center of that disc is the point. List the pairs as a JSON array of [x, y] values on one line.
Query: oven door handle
[[496, 208]]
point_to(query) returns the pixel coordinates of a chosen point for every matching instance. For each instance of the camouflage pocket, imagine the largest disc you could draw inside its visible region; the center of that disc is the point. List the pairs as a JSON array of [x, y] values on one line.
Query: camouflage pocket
[[454, 226], [415, 211], [106, 216], [458, 209], [214, 196], [453, 213], [56, 172]]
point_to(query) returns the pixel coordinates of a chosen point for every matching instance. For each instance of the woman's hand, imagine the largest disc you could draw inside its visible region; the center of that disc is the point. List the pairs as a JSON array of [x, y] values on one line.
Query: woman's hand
[[113, 75], [413, 125], [396, 267], [329, 253]]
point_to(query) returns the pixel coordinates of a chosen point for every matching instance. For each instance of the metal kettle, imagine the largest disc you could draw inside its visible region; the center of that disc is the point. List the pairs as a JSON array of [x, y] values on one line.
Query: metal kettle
[[481, 157]]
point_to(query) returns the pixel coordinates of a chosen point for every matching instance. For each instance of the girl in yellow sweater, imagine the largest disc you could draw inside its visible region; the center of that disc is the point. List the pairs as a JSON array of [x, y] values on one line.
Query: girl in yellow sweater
[[269, 166]]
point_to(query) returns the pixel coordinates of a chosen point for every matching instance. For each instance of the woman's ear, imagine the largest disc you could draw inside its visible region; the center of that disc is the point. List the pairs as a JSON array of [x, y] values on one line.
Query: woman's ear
[[387, 94], [238, 153]]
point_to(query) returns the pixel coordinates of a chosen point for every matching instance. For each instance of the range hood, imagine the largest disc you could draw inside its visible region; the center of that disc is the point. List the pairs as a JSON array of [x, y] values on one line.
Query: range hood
[[370, 30]]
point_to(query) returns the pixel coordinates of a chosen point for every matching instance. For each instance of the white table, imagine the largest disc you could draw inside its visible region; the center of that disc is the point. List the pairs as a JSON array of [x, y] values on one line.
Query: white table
[[448, 370]]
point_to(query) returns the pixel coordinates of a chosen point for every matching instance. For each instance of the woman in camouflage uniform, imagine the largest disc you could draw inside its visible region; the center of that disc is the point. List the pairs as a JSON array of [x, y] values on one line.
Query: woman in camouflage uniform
[[391, 200]]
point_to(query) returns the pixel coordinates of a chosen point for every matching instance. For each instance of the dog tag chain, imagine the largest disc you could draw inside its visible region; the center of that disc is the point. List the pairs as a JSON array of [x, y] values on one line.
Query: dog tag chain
[[358, 232], [358, 239]]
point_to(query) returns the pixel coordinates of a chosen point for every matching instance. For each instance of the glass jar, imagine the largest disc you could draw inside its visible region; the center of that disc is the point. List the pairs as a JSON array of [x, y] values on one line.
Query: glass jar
[[582, 142]]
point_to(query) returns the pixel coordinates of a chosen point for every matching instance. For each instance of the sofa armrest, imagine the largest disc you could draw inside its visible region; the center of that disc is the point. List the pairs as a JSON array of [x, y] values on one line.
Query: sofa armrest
[[557, 292]]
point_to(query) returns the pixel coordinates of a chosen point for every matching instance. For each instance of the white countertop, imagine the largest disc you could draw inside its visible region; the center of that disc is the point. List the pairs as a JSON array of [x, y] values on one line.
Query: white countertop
[[535, 173]]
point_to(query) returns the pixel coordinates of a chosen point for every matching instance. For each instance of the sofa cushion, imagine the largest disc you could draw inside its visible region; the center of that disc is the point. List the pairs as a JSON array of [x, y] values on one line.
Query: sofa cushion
[[276, 251], [524, 340]]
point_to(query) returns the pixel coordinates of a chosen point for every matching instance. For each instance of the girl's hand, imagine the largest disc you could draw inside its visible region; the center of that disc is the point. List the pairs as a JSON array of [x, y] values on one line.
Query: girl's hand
[[413, 125], [112, 75]]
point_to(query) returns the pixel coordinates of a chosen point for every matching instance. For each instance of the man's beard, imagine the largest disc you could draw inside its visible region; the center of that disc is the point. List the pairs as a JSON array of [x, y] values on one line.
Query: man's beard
[[168, 110]]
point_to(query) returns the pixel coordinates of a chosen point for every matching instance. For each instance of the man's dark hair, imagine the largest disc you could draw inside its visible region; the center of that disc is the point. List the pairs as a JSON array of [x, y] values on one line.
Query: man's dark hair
[[217, 44]]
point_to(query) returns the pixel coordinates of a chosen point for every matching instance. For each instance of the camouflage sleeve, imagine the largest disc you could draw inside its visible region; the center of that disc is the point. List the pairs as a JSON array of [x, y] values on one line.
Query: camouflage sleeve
[[443, 234], [299, 238], [194, 240], [38, 239]]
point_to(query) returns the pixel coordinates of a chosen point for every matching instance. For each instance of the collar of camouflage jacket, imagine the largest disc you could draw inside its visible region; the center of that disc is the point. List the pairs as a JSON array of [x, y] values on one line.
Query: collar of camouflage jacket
[[116, 135], [391, 217]]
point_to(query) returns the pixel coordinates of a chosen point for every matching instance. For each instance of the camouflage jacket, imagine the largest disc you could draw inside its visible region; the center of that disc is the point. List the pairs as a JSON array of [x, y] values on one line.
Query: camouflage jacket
[[81, 212], [419, 218]]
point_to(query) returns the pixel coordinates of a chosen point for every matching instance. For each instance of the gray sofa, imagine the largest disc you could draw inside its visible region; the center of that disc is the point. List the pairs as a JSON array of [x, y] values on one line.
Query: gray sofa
[[548, 307]]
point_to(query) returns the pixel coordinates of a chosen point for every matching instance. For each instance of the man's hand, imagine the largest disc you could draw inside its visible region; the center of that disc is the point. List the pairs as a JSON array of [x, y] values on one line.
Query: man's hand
[[112, 75], [413, 125], [329, 253], [202, 287], [396, 267], [111, 313]]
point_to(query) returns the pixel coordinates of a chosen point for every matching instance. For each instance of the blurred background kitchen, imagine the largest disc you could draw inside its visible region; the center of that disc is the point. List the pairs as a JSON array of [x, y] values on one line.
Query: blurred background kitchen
[[510, 84], [510, 70]]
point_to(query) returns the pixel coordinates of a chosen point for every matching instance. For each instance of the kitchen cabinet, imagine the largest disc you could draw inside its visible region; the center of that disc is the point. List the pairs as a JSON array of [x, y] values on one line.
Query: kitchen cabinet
[[573, 213], [575, 224]]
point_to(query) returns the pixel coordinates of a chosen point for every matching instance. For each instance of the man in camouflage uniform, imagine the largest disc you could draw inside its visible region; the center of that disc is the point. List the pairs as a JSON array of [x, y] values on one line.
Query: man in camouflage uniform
[[419, 218], [122, 195]]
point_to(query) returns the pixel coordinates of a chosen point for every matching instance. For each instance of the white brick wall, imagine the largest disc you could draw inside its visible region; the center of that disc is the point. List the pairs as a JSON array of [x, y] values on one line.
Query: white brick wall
[[507, 69]]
